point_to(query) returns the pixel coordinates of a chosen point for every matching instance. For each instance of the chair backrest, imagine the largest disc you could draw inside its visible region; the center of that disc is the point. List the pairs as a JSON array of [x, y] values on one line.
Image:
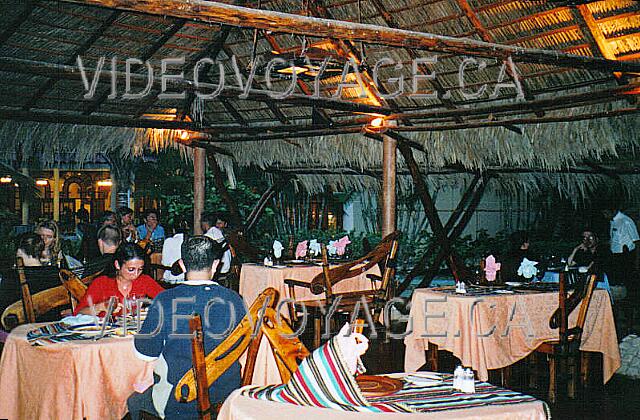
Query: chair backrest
[[389, 272], [75, 286], [566, 305], [42, 302], [325, 281], [200, 367], [286, 351], [27, 302]]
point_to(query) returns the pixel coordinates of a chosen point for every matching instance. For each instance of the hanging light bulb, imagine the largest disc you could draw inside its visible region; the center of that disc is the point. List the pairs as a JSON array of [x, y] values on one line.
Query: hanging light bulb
[[376, 126]]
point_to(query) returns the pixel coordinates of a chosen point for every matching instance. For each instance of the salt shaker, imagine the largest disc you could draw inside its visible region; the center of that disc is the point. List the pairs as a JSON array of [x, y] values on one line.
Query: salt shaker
[[457, 378]]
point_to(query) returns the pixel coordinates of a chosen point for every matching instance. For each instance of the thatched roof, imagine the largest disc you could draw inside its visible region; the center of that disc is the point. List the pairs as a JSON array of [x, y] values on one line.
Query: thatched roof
[[45, 111]]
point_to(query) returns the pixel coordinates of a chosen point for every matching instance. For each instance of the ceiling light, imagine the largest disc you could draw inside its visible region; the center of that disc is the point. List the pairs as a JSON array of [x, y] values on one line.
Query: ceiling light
[[6, 179], [105, 183], [42, 182]]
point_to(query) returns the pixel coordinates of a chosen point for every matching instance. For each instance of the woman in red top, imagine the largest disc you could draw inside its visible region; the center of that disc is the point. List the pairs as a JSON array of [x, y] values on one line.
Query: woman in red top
[[125, 279]]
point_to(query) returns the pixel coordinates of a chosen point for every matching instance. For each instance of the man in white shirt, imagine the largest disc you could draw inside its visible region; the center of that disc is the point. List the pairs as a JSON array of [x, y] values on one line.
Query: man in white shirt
[[171, 252], [624, 268], [213, 224]]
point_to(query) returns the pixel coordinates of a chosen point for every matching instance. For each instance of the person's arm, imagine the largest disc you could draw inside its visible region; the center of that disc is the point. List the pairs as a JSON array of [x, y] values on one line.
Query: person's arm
[[99, 296], [149, 342], [570, 260]]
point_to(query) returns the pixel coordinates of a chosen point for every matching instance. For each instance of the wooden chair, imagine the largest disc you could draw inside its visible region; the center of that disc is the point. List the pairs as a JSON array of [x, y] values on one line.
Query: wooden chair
[[566, 349], [27, 302], [207, 369], [380, 292], [41, 303], [75, 286]]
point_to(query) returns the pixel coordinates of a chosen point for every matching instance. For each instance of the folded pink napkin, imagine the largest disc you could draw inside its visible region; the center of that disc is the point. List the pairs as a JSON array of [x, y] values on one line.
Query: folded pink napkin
[[491, 267], [341, 245], [301, 249]]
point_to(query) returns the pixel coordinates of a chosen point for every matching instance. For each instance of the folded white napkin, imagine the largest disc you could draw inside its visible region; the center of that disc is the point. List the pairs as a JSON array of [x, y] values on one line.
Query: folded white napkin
[[527, 268], [277, 249]]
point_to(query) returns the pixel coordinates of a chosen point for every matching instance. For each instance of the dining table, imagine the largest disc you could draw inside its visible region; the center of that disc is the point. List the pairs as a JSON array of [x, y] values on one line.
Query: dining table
[[254, 278], [427, 401], [89, 378], [492, 329]]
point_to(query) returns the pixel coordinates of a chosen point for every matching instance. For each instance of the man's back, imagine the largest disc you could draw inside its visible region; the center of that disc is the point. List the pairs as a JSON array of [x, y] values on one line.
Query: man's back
[[221, 310]]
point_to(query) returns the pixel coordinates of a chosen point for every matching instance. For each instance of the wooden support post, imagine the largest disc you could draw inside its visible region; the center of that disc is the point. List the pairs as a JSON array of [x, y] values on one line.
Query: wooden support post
[[234, 213], [389, 155], [24, 203], [261, 205], [56, 194], [199, 168]]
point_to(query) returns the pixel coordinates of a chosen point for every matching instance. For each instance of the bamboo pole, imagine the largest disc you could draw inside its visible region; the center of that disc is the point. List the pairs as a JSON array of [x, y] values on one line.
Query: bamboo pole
[[199, 168], [214, 12]]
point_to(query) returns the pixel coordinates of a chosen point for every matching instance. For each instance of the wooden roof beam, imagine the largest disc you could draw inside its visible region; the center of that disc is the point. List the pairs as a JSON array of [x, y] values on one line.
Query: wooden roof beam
[[233, 111], [29, 5], [303, 86], [584, 16], [277, 112], [282, 22], [487, 37], [153, 48], [15, 65], [547, 104], [72, 59]]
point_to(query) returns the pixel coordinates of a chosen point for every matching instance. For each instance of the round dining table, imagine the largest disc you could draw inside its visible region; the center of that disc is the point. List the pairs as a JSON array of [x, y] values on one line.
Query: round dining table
[[84, 379]]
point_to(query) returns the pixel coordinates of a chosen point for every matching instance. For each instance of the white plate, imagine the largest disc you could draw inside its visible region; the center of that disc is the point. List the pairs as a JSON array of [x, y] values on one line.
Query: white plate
[[295, 261], [92, 329], [513, 283], [423, 379], [505, 292]]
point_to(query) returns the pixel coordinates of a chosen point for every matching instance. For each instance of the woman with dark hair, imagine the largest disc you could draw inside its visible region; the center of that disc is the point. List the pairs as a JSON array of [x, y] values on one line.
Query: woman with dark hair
[[39, 277], [124, 279], [129, 231]]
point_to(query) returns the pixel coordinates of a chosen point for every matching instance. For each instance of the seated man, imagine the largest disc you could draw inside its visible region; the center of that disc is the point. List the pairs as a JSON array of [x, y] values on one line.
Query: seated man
[[212, 224], [109, 238], [165, 333]]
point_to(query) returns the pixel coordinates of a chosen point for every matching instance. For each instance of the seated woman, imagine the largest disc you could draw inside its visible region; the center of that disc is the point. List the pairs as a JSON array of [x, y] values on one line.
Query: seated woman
[[39, 277], [588, 253], [52, 254], [124, 279]]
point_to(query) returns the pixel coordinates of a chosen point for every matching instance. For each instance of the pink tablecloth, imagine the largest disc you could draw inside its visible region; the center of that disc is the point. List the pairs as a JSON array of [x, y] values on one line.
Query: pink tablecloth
[[240, 407], [72, 380], [491, 332], [255, 278]]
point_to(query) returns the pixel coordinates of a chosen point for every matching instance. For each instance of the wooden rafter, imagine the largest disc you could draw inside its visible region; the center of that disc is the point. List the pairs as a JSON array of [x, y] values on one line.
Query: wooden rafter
[[487, 37], [16, 65], [270, 103], [288, 23], [18, 21], [72, 59], [211, 50], [592, 26], [233, 111], [153, 48], [303, 86]]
